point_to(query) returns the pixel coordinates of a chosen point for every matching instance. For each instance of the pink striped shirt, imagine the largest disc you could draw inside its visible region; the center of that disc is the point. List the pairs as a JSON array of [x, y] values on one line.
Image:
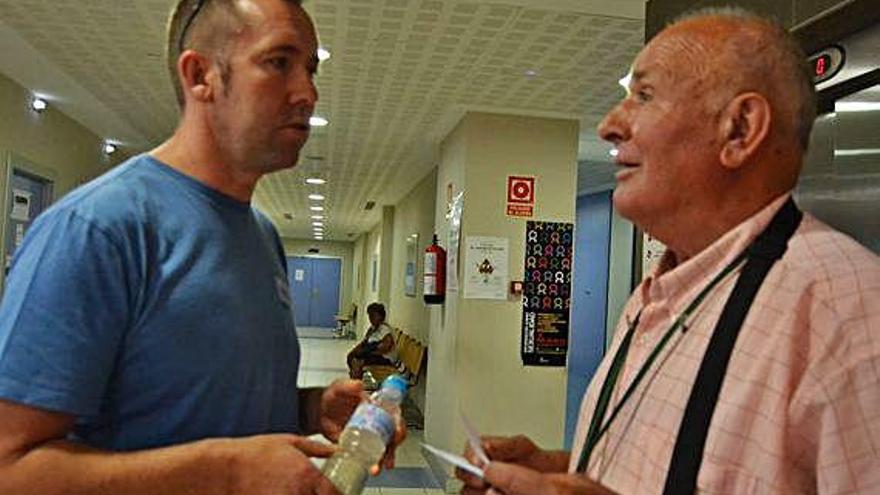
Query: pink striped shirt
[[799, 410]]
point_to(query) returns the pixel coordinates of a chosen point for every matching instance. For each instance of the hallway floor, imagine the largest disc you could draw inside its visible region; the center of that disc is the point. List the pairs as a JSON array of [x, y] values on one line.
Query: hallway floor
[[323, 360]]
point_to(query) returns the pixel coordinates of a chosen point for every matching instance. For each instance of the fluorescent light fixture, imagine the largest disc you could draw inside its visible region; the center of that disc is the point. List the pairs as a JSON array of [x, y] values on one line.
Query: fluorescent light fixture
[[323, 54], [316, 208], [317, 217], [625, 80], [318, 121], [39, 104], [614, 152], [315, 181], [857, 152], [857, 106], [316, 197], [318, 224], [109, 148]]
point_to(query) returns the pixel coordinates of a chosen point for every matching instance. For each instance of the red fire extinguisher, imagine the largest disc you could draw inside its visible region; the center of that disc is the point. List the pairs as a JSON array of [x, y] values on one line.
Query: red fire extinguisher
[[435, 273]]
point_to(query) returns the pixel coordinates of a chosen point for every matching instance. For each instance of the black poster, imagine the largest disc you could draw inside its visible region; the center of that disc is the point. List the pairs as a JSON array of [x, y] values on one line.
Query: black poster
[[546, 293]]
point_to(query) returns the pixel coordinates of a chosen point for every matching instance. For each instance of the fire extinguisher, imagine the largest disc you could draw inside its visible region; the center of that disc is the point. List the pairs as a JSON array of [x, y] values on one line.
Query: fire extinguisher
[[435, 273]]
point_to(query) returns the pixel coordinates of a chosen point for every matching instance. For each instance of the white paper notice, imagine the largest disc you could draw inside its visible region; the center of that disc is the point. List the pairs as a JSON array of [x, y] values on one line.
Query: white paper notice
[[21, 205], [485, 268]]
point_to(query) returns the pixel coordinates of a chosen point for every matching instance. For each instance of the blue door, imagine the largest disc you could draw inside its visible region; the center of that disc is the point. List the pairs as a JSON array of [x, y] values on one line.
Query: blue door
[[28, 196], [314, 286], [589, 303]]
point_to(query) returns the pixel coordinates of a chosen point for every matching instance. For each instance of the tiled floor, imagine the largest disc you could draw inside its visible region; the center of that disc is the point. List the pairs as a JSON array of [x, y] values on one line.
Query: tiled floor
[[322, 361]]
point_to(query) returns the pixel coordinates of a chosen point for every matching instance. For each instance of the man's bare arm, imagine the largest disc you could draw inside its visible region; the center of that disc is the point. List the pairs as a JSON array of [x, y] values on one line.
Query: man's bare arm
[[36, 459]]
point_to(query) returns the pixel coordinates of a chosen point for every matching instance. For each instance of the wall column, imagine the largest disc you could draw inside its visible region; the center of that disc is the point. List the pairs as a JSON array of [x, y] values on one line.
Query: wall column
[[474, 344]]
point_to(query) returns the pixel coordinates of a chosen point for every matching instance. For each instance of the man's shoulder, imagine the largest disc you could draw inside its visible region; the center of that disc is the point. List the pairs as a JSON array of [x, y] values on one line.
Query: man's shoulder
[[117, 196], [817, 247], [832, 267]]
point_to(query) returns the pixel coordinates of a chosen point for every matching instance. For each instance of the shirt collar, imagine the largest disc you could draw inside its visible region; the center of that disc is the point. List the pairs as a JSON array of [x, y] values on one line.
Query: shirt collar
[[674, 284]]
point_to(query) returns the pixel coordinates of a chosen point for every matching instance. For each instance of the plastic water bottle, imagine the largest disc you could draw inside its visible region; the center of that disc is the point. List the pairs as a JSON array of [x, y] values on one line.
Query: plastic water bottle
[[363, 441]]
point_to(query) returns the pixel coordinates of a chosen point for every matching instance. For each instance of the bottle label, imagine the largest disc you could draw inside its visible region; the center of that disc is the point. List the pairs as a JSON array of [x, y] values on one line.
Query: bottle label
[[373, 418]]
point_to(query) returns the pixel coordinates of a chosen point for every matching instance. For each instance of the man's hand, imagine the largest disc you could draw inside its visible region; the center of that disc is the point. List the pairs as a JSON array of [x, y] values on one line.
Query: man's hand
[[510, 479], [338, 402], [275, 465], [517, 450]]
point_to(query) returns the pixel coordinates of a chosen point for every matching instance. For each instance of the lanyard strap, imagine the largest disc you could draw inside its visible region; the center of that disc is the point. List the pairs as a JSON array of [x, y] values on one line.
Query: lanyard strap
[[687, 455], [597, 428]]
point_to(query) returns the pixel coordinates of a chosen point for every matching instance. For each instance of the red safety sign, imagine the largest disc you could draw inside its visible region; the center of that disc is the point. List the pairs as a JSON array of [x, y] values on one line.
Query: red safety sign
[[520, 196]]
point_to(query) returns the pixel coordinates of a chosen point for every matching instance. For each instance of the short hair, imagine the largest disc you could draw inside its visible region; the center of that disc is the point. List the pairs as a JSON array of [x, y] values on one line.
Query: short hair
[[769, 45], [376, 309], [202, 25]]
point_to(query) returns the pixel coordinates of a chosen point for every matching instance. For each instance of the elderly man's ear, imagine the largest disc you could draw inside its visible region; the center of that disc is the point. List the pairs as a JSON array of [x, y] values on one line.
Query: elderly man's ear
[[744, 126]]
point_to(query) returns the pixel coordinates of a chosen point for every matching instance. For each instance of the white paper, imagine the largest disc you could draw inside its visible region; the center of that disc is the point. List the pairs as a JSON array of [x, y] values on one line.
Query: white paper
[[485, 268], [474, 439], [299, 275], [455, 460], [21, 205], [454, 219]]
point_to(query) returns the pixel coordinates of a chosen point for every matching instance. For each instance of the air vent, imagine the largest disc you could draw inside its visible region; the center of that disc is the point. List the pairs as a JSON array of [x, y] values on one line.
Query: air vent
[[370, 205], [314, 250]]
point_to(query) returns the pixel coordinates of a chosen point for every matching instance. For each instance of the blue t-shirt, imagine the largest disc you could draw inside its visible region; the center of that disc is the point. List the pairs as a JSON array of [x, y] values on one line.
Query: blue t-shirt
[[155, 309]]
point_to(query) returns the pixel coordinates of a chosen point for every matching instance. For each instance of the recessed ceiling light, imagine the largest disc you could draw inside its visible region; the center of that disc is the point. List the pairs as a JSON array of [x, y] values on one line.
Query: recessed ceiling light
[[316, 208], [316, 181], [109, 148], [625, 80], [317, 217], [39, 104], [323, 54], [318, 121], [531, 73], [316, 197], [318, 224], [614, 152]]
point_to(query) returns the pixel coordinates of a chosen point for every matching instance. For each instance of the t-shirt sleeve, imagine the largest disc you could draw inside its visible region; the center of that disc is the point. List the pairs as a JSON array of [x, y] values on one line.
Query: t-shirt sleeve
[[63, 316]]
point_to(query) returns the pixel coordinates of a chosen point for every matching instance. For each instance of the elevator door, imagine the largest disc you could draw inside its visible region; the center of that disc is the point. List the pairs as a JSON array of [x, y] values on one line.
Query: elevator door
[[840, 183]]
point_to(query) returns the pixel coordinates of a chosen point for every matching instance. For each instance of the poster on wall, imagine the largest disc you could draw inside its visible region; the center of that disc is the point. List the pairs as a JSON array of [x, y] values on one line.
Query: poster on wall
[[652, 251], [454, 222], [21, 205], [546, 293], [520, 196], [485, 268]]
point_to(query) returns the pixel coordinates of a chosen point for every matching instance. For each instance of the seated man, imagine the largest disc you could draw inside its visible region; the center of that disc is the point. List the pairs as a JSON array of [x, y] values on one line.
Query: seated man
[[377, 347]]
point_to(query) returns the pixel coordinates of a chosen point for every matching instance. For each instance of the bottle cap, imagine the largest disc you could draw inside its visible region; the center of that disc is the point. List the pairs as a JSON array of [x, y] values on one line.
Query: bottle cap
[[396, 382]]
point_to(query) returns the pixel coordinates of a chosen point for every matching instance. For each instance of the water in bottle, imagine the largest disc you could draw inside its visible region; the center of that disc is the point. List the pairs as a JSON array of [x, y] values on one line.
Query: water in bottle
[[364, 438]]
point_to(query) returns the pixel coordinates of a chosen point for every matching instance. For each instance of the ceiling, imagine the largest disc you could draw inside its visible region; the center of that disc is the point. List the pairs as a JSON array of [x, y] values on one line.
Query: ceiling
[[401, 75]]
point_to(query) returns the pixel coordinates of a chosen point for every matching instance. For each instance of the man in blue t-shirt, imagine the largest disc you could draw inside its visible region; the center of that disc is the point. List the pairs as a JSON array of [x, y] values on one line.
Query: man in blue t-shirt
[[147, 343]]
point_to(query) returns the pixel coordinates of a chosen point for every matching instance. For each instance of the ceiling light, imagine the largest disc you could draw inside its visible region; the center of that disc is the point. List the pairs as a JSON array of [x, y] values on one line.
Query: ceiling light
[[614, 152], [317, 217], [531, 73], [625, 80], [39, 104], [316, 197], [315, 181], [323, 54], [318, 224], [109, 148], [857, 106], [316, 208], [317, 121]]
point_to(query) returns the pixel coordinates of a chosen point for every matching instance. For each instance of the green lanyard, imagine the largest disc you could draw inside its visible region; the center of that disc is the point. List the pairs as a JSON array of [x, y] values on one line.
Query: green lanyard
[[596, 428]]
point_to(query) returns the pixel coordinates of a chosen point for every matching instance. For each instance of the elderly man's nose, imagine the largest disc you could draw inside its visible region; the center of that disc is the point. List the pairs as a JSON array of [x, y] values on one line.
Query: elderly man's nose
[[612, 128]]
